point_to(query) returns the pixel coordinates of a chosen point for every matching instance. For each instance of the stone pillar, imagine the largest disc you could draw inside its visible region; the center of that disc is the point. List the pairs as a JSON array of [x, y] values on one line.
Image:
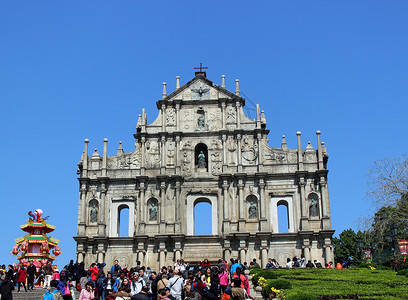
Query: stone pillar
[[224, 152], [238, 113], [163, 207], [223, 115], [264, 257], [100, 257], [324, 195], [319, 151], [163, 111], [162, 254], [141, 257], [177, 116], [239, 152], [241, 199], [242, 255], [300, 154], [177, 212], [102, 212], [177, 255], [259, 159], [178, 154], [264, 210], [163, 154], [83, 211], [304, 220], [85, 160], [226, 212], [142, 205], [143, 155]]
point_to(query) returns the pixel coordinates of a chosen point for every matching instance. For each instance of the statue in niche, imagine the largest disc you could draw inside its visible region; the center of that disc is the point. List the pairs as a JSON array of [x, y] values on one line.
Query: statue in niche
[[314, 208], [201, 122], [153, 213], [94, 214], [201, 160], [231, 146], [252, 211]]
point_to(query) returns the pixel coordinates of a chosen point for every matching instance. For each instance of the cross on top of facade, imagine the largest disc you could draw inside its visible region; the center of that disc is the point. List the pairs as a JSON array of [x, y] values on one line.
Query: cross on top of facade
[[201, 68]]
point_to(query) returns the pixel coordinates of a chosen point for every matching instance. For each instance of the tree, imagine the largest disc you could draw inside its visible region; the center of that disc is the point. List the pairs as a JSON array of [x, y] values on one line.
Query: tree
[[345, 247]]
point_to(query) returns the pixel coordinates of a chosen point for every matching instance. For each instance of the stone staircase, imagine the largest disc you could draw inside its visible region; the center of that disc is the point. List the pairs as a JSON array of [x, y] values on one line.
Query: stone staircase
[[36, 294], [254, 291]]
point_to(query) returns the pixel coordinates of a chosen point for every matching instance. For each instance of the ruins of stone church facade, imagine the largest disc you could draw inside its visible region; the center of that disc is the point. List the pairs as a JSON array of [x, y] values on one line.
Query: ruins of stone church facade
[[203, 148]]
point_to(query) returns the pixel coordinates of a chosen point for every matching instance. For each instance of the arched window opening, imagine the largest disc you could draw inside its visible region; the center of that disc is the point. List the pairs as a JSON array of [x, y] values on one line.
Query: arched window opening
[[283, 216], [123, 221], [202, 217], [252, 207], [201, 157]]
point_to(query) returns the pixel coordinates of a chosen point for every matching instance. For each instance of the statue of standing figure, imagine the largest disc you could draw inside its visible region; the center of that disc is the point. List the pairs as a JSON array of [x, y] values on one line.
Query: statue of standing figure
[[153, 213], [201, 122], [252, 211], [94, 214], [314, 208], [201, 161]]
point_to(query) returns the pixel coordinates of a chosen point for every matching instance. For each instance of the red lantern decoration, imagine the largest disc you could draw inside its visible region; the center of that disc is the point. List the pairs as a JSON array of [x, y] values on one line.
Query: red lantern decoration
[[24, 246], [57, 251], [44, 261], [44, 247], [24, 262], [403, 246], [15, 250]]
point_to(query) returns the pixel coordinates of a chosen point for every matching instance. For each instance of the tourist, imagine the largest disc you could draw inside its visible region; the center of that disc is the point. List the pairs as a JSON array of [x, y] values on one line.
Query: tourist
[[205, 264], [317, 263], [275, 264], [88, 293], [6, 288], [31, 271], [144, 276], [119, 281], [223, 279], [234, 267], [272, 296], [254, 263], [56, 294], [22, 276], [83, 280], [48, 275], [55, 275], [40, 280], [302, 261], [143, 295], [100, 284], [94, 272], [115, 269], [289, 263], [64, 287], [295, 261], [162, 279], [206, 277], [237, 292], [176, 285], [310, 264], [125, 289], [108, 285], [243, 279], [137, 283], [269, 265]]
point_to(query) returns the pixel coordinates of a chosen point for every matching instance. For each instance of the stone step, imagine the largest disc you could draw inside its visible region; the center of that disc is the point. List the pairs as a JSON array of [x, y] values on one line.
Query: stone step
[[36, 294]]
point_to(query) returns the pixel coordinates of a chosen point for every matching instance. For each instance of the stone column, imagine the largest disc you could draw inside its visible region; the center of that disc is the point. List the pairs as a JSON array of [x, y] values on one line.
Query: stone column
[[264, 257], [238, 113], [325, 204], [259, 159], [102, 206], [239, 152], [226, 212], [242, 255], [100, 257], [264, 210], [233, 197], [85, 160], [163, 110], [143, 155], [304, 221], [177, 116], [177, 212], [163, 206], [83, 211], [141, 257], [142, 188], [223, 115], [224, 152], [162, 254], [178, 156], [163, 154], [241, 199], [300, 154]]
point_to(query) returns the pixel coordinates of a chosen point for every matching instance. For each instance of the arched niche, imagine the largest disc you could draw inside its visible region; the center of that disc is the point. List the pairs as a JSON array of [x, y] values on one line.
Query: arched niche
[[153, 210], [93, 211], [252, 207], [202, 216], [123, 220], [313, 205], [199, 150]]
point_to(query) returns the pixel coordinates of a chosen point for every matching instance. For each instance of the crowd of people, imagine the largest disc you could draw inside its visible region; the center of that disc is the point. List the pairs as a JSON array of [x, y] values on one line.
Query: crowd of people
[[224, 280]]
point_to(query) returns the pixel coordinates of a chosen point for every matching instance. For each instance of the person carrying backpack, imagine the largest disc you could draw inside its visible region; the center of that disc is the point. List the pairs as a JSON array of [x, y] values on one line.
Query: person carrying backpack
[[53, 293]]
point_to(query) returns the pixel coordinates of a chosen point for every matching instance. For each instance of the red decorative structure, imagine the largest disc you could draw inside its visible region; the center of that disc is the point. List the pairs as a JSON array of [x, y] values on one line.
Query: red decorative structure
[[403, 246], [36, 245]]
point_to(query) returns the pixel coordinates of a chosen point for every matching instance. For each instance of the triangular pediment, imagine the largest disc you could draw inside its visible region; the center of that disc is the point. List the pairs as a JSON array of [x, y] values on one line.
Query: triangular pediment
[[200, 88]]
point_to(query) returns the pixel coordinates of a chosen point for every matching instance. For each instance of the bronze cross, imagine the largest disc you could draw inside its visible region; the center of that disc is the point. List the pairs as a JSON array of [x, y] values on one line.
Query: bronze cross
[[201, 67]]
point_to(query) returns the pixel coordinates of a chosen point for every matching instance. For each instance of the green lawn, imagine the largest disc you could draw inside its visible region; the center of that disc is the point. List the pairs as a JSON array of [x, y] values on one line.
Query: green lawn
[[345, 284]]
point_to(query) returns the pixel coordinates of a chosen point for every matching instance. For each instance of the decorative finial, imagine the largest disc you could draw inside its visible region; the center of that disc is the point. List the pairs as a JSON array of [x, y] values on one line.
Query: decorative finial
[[120, 148], [164, 90], [298, 133], [223, 81], [105, 140], [86, 141], [177, 82], [284, 145], [318, 132], [237, 87]]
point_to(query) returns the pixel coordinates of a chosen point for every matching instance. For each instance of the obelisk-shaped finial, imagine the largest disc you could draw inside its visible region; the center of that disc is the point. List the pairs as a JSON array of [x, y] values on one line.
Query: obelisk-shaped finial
[[164, 90], [237, 87], [223, 81], [177, 82]]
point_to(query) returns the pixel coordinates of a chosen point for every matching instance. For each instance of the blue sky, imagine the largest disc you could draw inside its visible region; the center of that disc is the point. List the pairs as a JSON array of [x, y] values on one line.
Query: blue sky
[[71, 70]]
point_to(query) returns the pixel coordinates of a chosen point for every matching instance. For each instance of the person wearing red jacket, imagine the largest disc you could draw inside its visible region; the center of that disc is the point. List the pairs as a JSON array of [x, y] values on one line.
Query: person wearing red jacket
[[22, 276], [205, 264], [94, 272]]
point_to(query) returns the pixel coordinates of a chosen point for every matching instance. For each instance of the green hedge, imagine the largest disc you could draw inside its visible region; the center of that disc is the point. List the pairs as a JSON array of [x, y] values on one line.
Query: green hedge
[[402, 272], [279, 284], [267, 274], [301, 296]]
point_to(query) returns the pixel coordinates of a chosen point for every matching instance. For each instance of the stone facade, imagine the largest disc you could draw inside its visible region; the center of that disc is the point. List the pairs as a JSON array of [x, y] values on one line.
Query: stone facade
[[203, 148]]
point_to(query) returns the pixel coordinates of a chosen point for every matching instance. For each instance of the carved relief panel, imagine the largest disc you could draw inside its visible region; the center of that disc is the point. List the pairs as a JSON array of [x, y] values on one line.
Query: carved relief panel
[[249, 150], [152, 154]]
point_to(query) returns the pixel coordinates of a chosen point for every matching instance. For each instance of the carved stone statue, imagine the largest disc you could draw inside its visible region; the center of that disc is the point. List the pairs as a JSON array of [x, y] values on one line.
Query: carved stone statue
[[252, 211], [314, 208], [153, 213], [201, 122], [201, 161], [94, 214]]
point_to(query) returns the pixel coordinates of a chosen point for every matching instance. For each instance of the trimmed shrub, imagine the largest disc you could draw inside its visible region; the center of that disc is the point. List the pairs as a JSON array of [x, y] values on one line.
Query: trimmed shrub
[[402, 272], [254, 270], [364, 266], [263, 273], [383, 268], [302, 296], [278, 284]]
